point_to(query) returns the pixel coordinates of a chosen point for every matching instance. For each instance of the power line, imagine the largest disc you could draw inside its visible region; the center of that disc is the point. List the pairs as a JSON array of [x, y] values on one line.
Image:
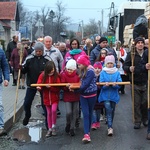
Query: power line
[[70, 7]]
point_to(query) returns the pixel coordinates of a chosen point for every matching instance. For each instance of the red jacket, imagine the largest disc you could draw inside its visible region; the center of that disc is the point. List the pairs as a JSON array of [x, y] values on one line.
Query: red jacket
[[70, 78], [50, 95]]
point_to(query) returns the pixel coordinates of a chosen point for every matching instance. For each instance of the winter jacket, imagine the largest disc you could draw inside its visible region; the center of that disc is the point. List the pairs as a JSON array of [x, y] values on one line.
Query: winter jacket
[[95, 53], [50, 95], [97, 104], [140, 77], [88, 83], [11, 45], [122, 56], [4, 69], [109, 93], [15, 58], [64, 53], [56, 56], [74, 56], [70, 78], [33, 66]]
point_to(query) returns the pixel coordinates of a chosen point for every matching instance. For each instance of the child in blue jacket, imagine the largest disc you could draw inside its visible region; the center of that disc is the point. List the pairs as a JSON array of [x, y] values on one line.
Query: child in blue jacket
[[109, 93]]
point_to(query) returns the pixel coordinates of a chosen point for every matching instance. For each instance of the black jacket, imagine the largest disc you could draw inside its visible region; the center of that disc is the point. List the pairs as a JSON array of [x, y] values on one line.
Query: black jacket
[[140, 77], [95, 53], [11, 45], [33, 66]]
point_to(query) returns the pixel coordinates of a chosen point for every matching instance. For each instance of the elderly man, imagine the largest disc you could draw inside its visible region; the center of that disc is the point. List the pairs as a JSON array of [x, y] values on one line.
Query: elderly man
[[62, 48], [53, 52], [33, 66]]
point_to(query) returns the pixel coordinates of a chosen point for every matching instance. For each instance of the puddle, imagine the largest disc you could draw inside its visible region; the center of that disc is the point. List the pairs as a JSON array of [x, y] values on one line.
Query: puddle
[[33, 132]]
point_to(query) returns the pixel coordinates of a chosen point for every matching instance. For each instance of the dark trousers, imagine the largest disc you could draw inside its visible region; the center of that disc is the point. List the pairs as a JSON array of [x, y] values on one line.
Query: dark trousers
[[29, 97], [148, 129], [140, 103], [124, 78]]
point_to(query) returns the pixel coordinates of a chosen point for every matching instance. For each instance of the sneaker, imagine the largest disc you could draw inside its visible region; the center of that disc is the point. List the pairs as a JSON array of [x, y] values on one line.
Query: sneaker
[[72, 132], [25, 121], [67, 128], [148, 136], [122, 92], [3, 132], [102, 118], [145, 123], [110, 132], [23, 87], [94, 126], [48, 134], [137, 125], [14, 84], [58, 113], [19, 87], [54, 131], [98, 124], [86, 138]]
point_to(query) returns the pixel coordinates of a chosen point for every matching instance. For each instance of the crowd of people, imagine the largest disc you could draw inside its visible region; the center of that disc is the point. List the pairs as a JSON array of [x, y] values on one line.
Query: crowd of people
[[44, 62]]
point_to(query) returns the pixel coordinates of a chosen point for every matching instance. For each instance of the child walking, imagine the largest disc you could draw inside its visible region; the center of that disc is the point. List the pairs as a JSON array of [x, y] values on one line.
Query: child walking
[[50, 95], [88, 91], [71, 99], [98, 106], [109, 93]]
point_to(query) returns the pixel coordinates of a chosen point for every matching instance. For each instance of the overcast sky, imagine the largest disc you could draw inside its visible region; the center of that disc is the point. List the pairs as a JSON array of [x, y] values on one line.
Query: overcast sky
[[78, 10]]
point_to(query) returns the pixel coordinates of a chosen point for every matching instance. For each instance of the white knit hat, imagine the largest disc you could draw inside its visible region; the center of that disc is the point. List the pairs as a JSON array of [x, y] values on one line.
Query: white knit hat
[[71, 64]]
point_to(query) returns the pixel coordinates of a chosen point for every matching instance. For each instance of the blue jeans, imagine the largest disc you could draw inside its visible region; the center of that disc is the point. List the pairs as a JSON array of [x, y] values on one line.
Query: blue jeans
[[87, 106], [1, 109], [96, 115], [110, 110]]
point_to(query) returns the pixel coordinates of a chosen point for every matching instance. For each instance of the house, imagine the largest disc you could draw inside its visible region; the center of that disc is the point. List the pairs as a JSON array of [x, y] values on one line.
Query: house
[[9, 20]]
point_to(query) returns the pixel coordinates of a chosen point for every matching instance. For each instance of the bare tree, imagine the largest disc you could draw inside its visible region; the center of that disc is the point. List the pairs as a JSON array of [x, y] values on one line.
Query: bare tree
[[44, 18], [91, 28], [59, 21]]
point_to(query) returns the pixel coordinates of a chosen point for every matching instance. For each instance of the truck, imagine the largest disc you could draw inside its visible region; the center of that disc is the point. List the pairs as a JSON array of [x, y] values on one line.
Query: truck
[[123, 22]]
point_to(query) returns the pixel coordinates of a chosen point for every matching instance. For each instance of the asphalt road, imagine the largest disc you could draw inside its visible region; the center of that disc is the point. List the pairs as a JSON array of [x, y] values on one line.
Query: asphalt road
[[33, 136]]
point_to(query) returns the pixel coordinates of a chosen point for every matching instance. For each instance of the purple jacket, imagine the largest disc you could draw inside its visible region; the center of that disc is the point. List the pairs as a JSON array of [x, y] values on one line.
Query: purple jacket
[[15, 58]]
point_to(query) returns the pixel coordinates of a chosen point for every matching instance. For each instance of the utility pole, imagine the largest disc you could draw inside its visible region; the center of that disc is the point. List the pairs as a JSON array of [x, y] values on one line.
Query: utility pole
[[82, 29], [99, 27], [31, 29], [102, 22]]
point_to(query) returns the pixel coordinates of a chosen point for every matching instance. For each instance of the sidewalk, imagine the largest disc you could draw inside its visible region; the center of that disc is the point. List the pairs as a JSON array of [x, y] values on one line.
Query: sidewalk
[[9, 98]]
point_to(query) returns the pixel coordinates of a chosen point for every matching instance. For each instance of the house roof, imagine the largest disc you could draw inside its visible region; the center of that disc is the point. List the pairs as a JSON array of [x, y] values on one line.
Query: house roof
[[8, 10], [5, 24]]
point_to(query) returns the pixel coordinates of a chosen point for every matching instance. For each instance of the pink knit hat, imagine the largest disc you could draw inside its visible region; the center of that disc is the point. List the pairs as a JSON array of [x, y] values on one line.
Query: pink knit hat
[[109, 58], [97, 65], [84, 60]]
